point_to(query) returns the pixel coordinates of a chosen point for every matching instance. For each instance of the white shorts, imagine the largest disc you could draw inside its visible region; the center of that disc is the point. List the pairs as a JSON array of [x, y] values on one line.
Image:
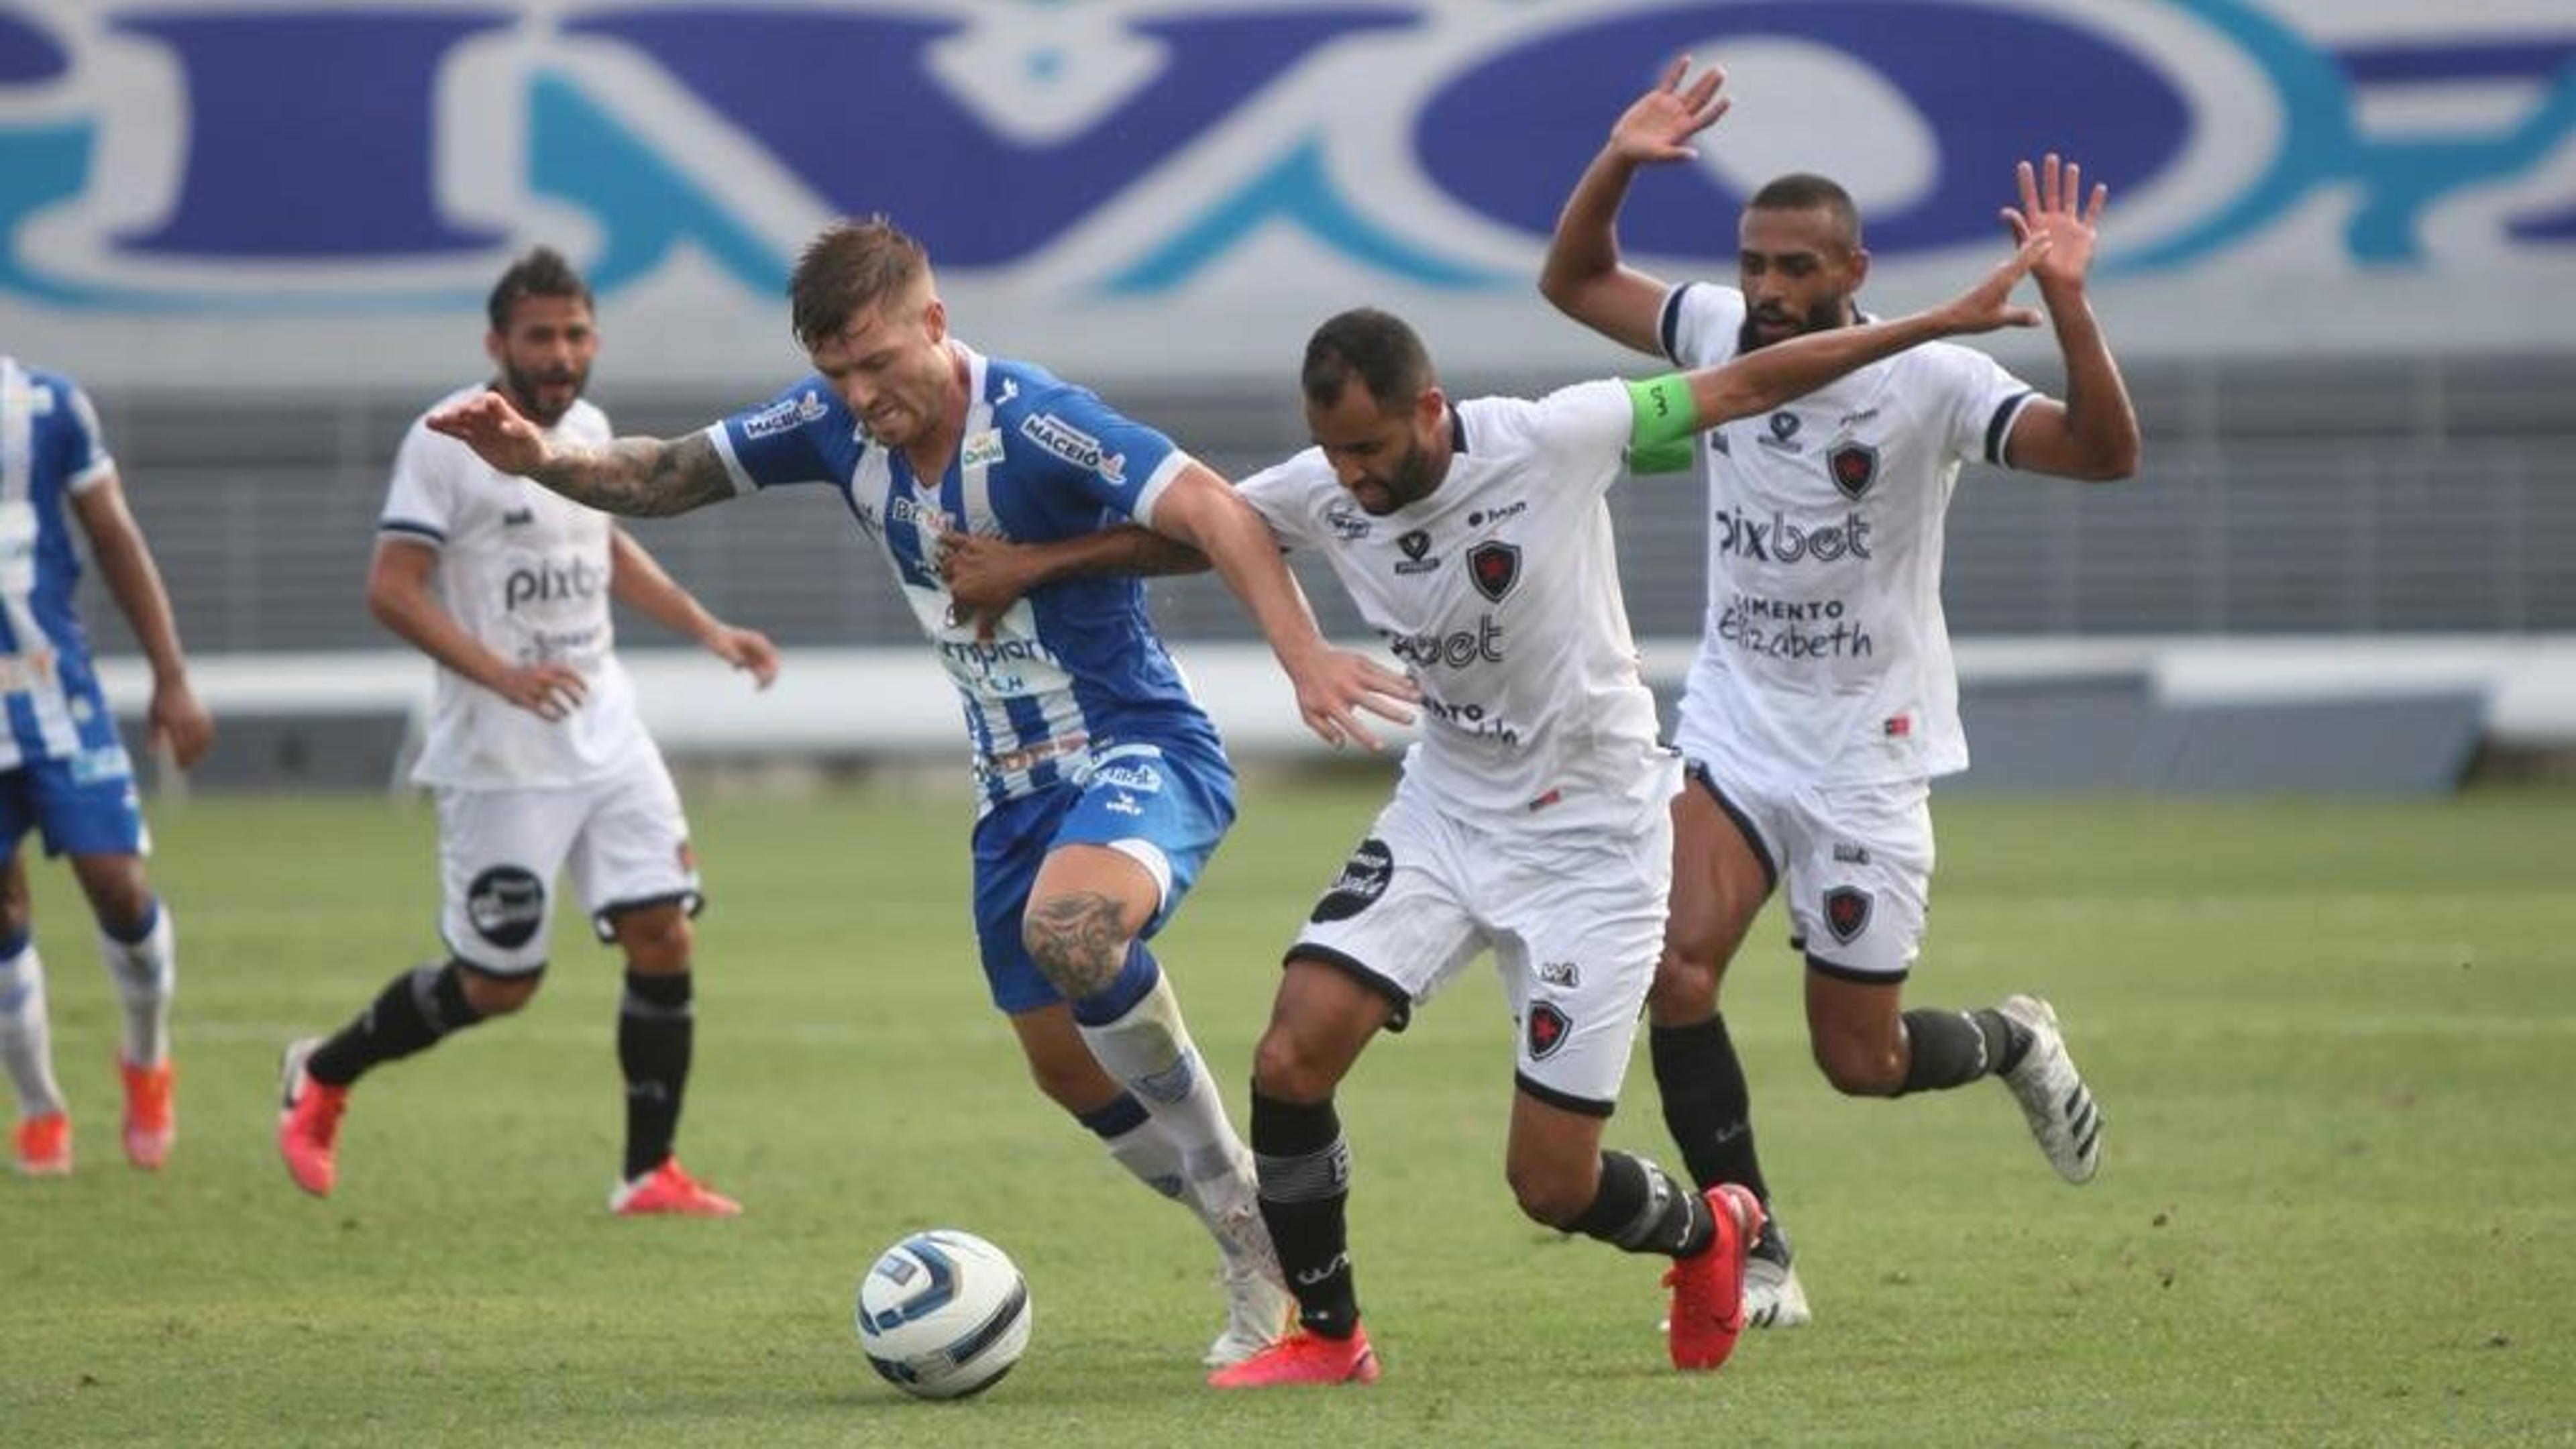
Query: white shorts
[[1853, 860], [622, 837], [1575, 921]]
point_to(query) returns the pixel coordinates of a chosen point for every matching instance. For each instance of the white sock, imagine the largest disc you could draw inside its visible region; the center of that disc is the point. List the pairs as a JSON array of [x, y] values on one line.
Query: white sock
[[26, 1037], [1149, 1050], [145, 972], [1149, 1154]]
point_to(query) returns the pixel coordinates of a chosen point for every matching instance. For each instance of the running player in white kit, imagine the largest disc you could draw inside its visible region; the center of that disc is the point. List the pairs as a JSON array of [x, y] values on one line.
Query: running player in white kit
[[536, 755], [1823, 699], [1532, 818]]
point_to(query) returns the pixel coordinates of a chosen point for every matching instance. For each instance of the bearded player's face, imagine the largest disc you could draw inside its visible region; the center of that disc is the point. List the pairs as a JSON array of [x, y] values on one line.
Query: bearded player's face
[[1798, 270], [544, 357]]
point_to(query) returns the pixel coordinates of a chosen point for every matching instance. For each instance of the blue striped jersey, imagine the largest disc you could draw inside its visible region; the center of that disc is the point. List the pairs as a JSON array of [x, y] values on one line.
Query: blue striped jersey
[[51, 450], [1077, 665]]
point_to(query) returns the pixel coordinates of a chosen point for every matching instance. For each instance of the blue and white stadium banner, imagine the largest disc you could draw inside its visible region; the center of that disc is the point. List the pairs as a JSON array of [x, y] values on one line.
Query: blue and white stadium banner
[[264, 193]]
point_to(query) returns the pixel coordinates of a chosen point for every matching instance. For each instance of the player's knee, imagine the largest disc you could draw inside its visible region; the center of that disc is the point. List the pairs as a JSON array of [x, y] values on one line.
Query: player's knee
[[1284, 1070], [1685, 985], [493, 995], [120, 899], [656, 939], [1860, 1066]]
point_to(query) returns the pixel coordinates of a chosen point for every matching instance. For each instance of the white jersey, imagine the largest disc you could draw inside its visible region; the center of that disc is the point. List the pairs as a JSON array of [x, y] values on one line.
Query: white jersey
[[1825, 654], [1500, 591], [526, 572]]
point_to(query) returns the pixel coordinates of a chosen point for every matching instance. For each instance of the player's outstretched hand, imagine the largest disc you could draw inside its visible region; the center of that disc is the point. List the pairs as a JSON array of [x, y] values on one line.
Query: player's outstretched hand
[[488, 424], [1334, 685], [1659, 126], [181, 731], [985, 576], [548, 691], [1988, 306], [748, 650], [2053, 205]]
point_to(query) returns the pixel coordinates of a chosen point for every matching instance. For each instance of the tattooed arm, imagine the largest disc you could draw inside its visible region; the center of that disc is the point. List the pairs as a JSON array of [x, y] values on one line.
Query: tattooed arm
[[638, 477]]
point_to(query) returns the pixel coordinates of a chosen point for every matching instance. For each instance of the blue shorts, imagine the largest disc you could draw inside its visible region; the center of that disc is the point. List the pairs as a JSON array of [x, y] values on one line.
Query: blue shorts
[[1166, 803], [83, 804]]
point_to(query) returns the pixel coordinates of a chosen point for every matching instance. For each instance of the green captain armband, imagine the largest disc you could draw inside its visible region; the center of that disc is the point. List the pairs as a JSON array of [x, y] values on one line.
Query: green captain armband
[[1661, 458], [1665, 414]]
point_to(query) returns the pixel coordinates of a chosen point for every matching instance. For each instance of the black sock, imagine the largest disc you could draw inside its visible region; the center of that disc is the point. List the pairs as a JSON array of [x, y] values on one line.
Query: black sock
[[1952, 1048], [413, 1012], [1640, 1209], [654, 1028], [1707, 1107], [1305, 1170]]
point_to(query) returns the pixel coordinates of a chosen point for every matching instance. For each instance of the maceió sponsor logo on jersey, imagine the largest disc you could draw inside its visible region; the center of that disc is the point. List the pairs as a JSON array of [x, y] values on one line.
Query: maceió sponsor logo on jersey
[[1073, 445], [784, 415]]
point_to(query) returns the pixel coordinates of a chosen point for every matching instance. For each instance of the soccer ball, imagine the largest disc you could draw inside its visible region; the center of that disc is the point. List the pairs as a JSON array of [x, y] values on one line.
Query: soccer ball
[[943, 1314]]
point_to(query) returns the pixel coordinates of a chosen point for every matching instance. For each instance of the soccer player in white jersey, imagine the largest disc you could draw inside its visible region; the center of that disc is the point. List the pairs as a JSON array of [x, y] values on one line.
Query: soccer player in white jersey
[[1532, 818], [63, 769], [1823, 700], [1102, 787], [536, 755]]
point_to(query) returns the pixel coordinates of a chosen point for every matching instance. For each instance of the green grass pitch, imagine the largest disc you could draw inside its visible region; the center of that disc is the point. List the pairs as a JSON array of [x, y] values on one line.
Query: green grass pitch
[[2336, 1041]]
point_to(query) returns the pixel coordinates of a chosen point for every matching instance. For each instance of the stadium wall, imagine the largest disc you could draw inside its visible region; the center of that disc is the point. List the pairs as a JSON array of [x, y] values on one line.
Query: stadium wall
[[2281, 713], [245, 196]]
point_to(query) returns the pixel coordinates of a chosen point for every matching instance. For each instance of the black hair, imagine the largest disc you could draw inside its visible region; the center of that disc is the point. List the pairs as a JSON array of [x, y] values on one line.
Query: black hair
[[540, 272], [1804, 191], [1379, 348]]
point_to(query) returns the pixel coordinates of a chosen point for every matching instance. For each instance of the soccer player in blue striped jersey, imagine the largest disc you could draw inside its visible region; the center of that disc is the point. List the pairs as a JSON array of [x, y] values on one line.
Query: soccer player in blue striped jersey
[[64, 771], [1103, 788]]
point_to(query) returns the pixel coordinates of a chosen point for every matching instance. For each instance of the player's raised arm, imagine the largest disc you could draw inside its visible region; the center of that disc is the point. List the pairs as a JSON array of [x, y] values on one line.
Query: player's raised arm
[[1583, 274], [1679, 404], [637, 477], [1333, 685], [2094, 433]]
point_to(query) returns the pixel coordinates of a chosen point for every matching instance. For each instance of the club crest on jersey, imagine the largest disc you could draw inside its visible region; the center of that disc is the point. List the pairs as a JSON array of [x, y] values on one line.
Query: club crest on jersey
[[1854, 467], [1549, 1026], [1784, 431], [1494, 566], [1418, 557], [1846, 912]]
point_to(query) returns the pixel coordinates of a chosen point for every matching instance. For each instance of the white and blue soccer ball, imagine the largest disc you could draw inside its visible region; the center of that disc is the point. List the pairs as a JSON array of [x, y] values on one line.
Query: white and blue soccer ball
[[943, 1314]]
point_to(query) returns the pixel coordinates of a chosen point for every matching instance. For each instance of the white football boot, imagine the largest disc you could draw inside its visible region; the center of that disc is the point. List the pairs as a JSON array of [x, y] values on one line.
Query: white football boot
[[1258, 1306], [1772, 1297], [2052, 1093]]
